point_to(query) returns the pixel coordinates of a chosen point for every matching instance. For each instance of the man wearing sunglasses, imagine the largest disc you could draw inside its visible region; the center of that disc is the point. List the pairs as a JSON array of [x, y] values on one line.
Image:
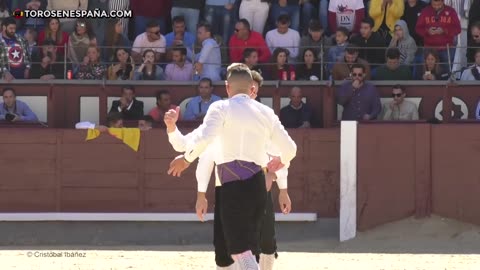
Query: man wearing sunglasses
[[399, 108], [151, 39], [360, 99]]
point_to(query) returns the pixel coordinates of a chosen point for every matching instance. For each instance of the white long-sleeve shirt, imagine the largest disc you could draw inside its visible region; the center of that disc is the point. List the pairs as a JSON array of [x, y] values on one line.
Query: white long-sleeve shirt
[[244, 128], [206, 162]]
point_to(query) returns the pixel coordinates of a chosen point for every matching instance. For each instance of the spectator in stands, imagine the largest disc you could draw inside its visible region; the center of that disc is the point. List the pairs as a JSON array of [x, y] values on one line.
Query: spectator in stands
[[115, 120], [460, 59], [91, 67], [473, 15], [180, 37], [256, 13], [309, 11], [48, 65], [68, 24], [412, 11], [80, 40], [310, 69], [147, 11], [399, 108], [281, 69], [99, 24], [151, 39], [337, 52], [123, 67], [198, 106], [438, 24], [180, 69], [342, 70], [190, 11], [209, 60], [14, 110], [15, 61], [386, 13], [54, 32], [145, 123], [404, 42], [129, 107], [284, 37], [245, 38], [431, 70], [30, 37], [345, 13], [296, 114], [114, 38], [250, 58], [148, 70], [219, 14], [393, 70], [164, 103], [360, 99], [371, 43], [291, 8], [472, 73], [315, 39], [474, 42], [121, 5]]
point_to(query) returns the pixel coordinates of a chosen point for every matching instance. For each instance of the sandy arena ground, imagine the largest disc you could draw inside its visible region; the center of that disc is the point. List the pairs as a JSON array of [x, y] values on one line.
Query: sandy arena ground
[[434, 243]]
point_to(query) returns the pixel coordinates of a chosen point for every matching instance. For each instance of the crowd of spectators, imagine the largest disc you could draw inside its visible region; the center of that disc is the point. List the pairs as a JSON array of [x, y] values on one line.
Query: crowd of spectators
[[309, 40]]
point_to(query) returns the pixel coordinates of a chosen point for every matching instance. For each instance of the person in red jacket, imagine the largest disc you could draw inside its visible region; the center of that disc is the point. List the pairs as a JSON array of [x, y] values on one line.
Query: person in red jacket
[[438, 25], [245, 38]]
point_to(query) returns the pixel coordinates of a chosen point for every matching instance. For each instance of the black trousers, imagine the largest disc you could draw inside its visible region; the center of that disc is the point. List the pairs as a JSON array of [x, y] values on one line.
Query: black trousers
[[265, 241]]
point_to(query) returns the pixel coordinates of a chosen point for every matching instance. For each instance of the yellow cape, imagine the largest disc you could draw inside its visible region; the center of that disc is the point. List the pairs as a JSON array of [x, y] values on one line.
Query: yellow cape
[[129, 136]]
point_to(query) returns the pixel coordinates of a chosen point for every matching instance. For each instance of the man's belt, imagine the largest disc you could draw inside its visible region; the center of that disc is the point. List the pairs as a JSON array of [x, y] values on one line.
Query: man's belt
[[237, 170]]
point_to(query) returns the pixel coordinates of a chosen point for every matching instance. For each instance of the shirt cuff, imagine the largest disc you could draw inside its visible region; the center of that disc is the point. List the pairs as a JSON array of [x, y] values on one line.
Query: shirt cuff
[[202, 186], [282, 176]]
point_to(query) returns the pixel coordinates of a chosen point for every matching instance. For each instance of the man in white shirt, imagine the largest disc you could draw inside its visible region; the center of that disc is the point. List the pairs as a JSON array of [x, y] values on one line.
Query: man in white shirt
[[243, 128], [206, 164], [284, 37], [151, 39]]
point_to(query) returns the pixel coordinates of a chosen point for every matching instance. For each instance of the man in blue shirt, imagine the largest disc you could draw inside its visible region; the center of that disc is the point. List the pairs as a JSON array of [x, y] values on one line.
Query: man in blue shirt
[[197, 107], [15, 110], [209, 60], [179, 36]]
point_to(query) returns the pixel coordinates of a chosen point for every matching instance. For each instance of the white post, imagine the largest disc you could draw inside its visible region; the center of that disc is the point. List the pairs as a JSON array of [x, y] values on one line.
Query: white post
[[348, 180]]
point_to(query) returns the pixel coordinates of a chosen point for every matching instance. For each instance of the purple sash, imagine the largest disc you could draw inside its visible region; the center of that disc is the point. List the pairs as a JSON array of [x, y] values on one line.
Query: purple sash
[[237, 170]]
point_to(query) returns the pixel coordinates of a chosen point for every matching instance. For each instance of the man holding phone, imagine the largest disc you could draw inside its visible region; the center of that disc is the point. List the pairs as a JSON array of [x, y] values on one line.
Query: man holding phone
[[13, 110]]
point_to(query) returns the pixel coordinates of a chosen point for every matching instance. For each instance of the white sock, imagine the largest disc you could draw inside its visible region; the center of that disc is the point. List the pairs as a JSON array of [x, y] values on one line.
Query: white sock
[[246, 261], [266, 261]]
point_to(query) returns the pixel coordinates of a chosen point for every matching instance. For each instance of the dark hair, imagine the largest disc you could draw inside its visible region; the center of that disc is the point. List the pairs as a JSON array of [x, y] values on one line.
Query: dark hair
[[206, 80], [351, 49], [49, 42], [112, 39], [343, 30], [354, 66], [178, 19], [124, 74], [9, 89], [278, 51], [113, 117], [147, 118], [245, 23], [152, 23], [180, 48], [368, 21], [283, 19], [128, 87], [48, 32], [247, 52], [158, 94], [393, 53], [314, 52], [315, 25], [7, 21], [88, 27], [145, 76], [398, 86], [206, 25]]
